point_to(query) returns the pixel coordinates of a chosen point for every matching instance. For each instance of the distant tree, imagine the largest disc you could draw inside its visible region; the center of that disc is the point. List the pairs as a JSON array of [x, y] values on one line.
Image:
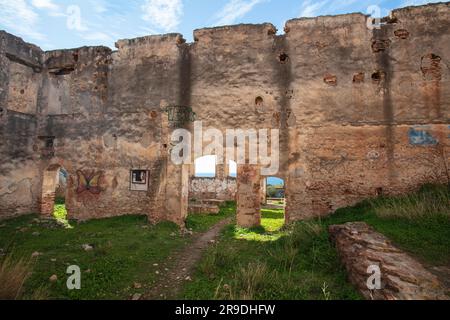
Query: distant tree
[[272, 191]]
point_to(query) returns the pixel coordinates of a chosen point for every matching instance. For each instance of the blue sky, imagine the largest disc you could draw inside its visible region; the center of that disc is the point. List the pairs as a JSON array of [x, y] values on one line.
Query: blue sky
[[58, 24]]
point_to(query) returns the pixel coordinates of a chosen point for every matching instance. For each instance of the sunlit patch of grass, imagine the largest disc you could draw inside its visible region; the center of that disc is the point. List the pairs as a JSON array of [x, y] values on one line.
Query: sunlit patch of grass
[[60, 214], [272, 222]]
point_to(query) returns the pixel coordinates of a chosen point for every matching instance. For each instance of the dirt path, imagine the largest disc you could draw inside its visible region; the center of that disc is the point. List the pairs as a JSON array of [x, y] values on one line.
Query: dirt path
[[170, 283]]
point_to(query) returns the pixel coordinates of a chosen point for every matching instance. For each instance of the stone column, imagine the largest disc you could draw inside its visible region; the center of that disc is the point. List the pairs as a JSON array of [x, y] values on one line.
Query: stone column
[[248, 196], [220, 172], [177, 192], [263, 190]]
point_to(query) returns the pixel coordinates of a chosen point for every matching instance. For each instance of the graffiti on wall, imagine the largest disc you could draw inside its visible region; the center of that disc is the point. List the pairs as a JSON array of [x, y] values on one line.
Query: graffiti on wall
[[89, 182], [419, 136]]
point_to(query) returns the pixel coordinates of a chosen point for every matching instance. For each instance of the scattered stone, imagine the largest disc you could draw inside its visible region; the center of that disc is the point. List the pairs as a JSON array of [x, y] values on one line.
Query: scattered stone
[[157, 272], [36, 254], [87, 247], [188, 278], [53, 278], [88, 271], [2, 225], [362, 249], [155, 264], [53, 260], [136, 296], [35, 234], [212, 241], [137, 285]]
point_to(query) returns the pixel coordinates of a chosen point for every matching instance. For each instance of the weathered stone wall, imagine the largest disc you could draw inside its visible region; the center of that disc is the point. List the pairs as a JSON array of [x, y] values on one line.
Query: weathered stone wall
[[360, 111], [20, 74], [358, 99], [213, 188]]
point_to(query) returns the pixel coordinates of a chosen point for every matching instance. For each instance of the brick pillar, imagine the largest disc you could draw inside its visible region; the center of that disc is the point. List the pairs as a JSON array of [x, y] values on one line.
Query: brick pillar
[[49, 182], [248, 196]]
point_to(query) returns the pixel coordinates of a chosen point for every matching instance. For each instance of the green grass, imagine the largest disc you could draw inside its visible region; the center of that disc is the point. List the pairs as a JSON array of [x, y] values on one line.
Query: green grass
[[299, 262], [203, 222], [271, 262], [125, 249]]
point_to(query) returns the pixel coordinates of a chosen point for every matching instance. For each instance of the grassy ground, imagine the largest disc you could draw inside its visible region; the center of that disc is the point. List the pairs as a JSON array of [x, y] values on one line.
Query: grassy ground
[[201, 223], [298, 261], [124, 251], [271, 262]]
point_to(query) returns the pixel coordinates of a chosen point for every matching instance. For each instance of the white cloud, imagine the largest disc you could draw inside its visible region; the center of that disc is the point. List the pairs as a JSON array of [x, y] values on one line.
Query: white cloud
[[44, 4], [49, 6], [234, 10], [20, 18], [311, 8], [163, 14]]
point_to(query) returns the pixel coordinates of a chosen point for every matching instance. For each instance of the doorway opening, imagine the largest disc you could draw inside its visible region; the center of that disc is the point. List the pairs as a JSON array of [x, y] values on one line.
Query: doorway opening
[[273, 209], [54, 194]]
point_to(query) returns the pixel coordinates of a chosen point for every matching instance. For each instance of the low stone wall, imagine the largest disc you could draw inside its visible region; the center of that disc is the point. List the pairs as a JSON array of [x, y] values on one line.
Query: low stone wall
[[402, 277], [212, 188]]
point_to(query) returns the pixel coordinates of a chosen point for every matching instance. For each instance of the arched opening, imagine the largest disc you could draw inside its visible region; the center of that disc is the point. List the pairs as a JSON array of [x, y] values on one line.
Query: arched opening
[[205, 167], [273, 213], [232, 169], [54, 192]]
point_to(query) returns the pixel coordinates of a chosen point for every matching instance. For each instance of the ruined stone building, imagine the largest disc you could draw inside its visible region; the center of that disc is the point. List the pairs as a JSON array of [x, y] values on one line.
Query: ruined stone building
[[361, 112]]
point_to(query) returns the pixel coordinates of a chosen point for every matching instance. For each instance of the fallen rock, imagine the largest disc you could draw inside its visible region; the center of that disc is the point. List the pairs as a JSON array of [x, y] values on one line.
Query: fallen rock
[[36, 254], [361, 249], [137, 285], [136, 296], [53, 278], [35, 234], [87, 247]]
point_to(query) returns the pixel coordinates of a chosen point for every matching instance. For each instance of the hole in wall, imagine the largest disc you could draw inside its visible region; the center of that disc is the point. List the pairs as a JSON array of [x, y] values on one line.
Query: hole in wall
[[22, 91], [378, 76], [330, 79], [62, 71], [75, 56], [401, 33], [379, 192], [283, 57], [380, 45], [359, 77], [259, 101], [431, 67], [1, 112]]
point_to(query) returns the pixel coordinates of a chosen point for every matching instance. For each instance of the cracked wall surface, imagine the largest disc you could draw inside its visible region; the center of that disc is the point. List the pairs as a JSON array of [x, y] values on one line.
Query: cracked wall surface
[[361, 112]]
